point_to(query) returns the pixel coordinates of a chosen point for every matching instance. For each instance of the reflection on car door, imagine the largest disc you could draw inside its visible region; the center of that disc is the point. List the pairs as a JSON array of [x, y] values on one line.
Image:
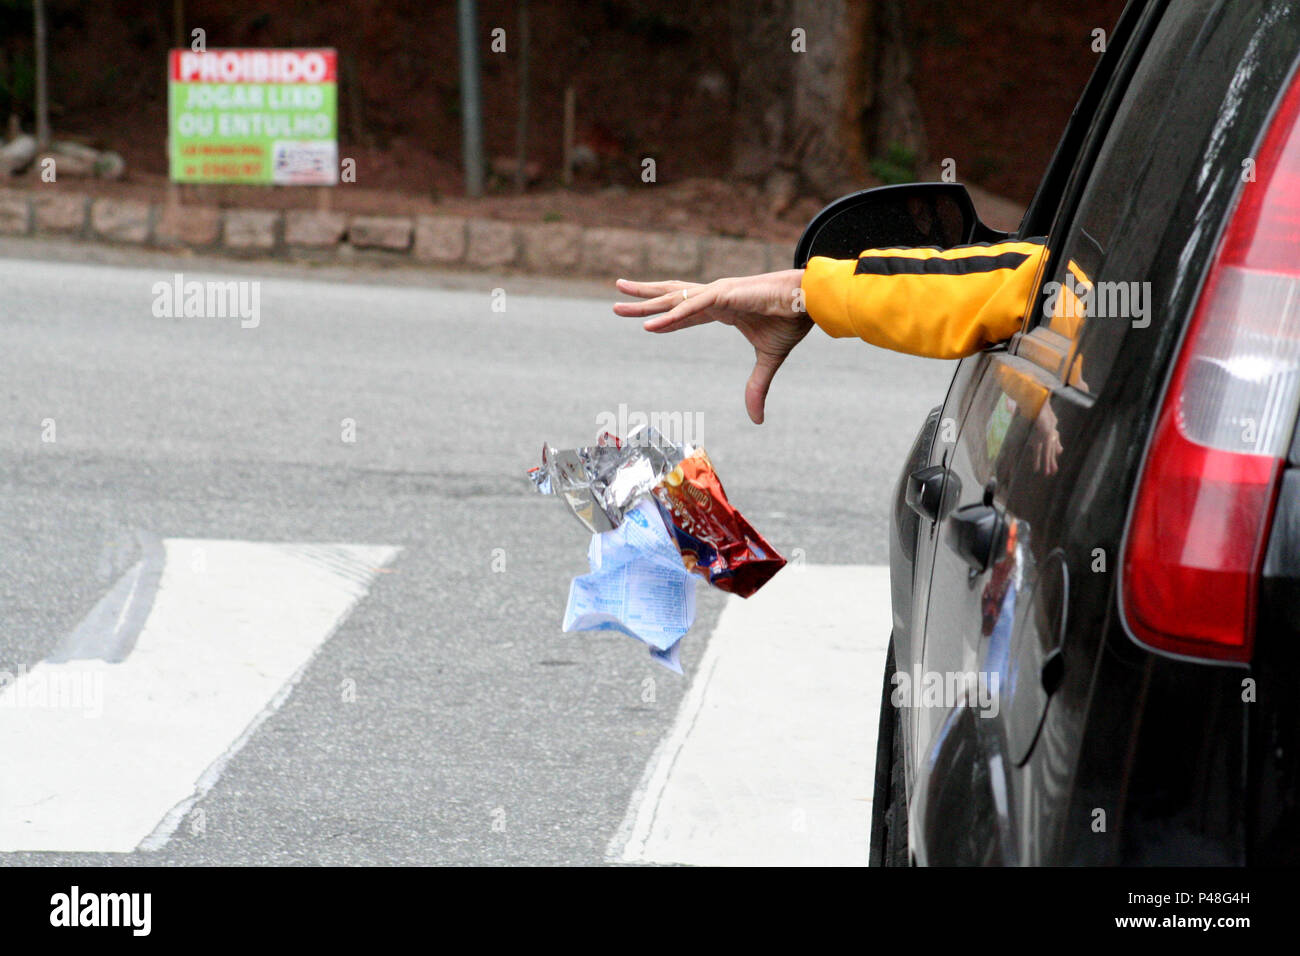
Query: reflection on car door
[[965, 677]]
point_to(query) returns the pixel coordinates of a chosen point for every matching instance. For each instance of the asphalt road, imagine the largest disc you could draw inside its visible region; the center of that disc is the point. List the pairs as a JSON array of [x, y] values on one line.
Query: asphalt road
[[474, 730]]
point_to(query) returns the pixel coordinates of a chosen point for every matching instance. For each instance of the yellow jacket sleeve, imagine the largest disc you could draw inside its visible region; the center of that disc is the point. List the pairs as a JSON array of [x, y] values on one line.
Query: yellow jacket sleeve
[[938, 303]]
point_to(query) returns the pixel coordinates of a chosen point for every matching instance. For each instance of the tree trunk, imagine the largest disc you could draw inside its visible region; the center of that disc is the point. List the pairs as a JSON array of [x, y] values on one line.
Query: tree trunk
[[179, 40], [521, 118], [821, 115]]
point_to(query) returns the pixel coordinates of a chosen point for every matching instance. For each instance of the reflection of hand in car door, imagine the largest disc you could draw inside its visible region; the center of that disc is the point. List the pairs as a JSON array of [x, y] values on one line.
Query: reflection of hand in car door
[[1032, 400], [1045, 442], [1068, 318], [1069, 312]]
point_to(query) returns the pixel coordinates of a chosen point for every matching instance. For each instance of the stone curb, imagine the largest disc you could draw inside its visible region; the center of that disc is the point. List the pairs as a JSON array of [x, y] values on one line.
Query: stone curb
[[441, 241]]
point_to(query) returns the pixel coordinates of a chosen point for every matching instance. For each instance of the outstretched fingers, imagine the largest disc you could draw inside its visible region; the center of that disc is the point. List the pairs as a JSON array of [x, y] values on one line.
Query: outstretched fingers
[[658, 296], [693, 310], [646, 290], [653, 306]]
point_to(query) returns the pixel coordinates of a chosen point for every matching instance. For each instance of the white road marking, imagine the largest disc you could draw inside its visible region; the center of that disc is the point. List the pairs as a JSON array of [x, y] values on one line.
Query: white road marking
[[116, 763], [771, 760]]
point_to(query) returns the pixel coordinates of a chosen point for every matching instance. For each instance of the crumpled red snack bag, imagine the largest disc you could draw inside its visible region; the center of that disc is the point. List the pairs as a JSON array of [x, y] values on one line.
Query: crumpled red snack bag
[[715, 539]]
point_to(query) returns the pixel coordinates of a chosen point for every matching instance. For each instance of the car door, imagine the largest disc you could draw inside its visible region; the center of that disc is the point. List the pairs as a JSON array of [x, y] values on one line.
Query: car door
[[1038, 219], [979, 689]]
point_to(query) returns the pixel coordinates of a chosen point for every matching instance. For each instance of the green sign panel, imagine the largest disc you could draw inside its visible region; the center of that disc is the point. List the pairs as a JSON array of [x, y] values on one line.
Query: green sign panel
[[258, 117]]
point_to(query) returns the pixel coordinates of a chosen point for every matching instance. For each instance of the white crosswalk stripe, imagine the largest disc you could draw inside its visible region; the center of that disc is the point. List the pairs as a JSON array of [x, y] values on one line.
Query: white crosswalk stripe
[[771, 759], [102, 756]]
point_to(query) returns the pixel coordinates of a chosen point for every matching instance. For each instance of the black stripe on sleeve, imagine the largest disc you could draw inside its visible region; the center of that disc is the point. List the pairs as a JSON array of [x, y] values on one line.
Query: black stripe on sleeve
[[968, 265]]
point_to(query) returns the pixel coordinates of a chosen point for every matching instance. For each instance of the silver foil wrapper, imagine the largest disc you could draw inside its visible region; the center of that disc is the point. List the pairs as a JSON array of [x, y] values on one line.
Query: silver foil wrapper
[[601, 482]]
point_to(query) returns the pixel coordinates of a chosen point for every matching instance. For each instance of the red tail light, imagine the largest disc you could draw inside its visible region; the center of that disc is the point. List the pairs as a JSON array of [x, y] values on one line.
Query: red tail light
[[1205, 500]]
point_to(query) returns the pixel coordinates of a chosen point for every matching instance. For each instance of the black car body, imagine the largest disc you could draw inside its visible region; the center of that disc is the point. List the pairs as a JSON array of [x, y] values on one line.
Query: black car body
[[1116, 740]]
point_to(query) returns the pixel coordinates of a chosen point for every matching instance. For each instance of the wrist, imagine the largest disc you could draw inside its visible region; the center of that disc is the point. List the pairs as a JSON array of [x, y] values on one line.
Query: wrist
[[789, 303]]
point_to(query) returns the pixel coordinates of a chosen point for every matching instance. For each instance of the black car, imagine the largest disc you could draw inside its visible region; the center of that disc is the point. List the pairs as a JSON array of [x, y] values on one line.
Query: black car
[[1095, 547]]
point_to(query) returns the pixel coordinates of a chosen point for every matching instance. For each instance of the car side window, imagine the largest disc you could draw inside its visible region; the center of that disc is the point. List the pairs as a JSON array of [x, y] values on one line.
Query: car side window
[[1047, 198], [1089, 300]]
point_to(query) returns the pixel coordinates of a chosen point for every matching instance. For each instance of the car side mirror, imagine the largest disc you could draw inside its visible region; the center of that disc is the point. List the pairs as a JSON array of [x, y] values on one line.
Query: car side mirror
[[913, 214]]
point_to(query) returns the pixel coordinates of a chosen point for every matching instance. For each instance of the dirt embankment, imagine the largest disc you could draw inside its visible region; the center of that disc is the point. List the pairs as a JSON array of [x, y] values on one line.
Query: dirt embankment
[[996, 81]]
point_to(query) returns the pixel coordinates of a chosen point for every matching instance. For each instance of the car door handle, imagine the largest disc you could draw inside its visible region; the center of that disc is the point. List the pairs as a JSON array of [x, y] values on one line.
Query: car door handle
[[924, 492], [975, 532]]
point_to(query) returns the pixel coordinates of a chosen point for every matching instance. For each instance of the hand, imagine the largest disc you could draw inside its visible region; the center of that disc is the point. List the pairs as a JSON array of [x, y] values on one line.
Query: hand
[[762, 307], [1045, 441]]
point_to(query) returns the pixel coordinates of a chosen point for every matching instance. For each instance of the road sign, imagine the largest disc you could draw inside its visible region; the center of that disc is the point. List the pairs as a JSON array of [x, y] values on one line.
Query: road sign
[[257, 117]]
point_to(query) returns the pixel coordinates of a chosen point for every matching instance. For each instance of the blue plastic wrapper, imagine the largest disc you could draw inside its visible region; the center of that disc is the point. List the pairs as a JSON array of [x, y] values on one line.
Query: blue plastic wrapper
[[637, 585]]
